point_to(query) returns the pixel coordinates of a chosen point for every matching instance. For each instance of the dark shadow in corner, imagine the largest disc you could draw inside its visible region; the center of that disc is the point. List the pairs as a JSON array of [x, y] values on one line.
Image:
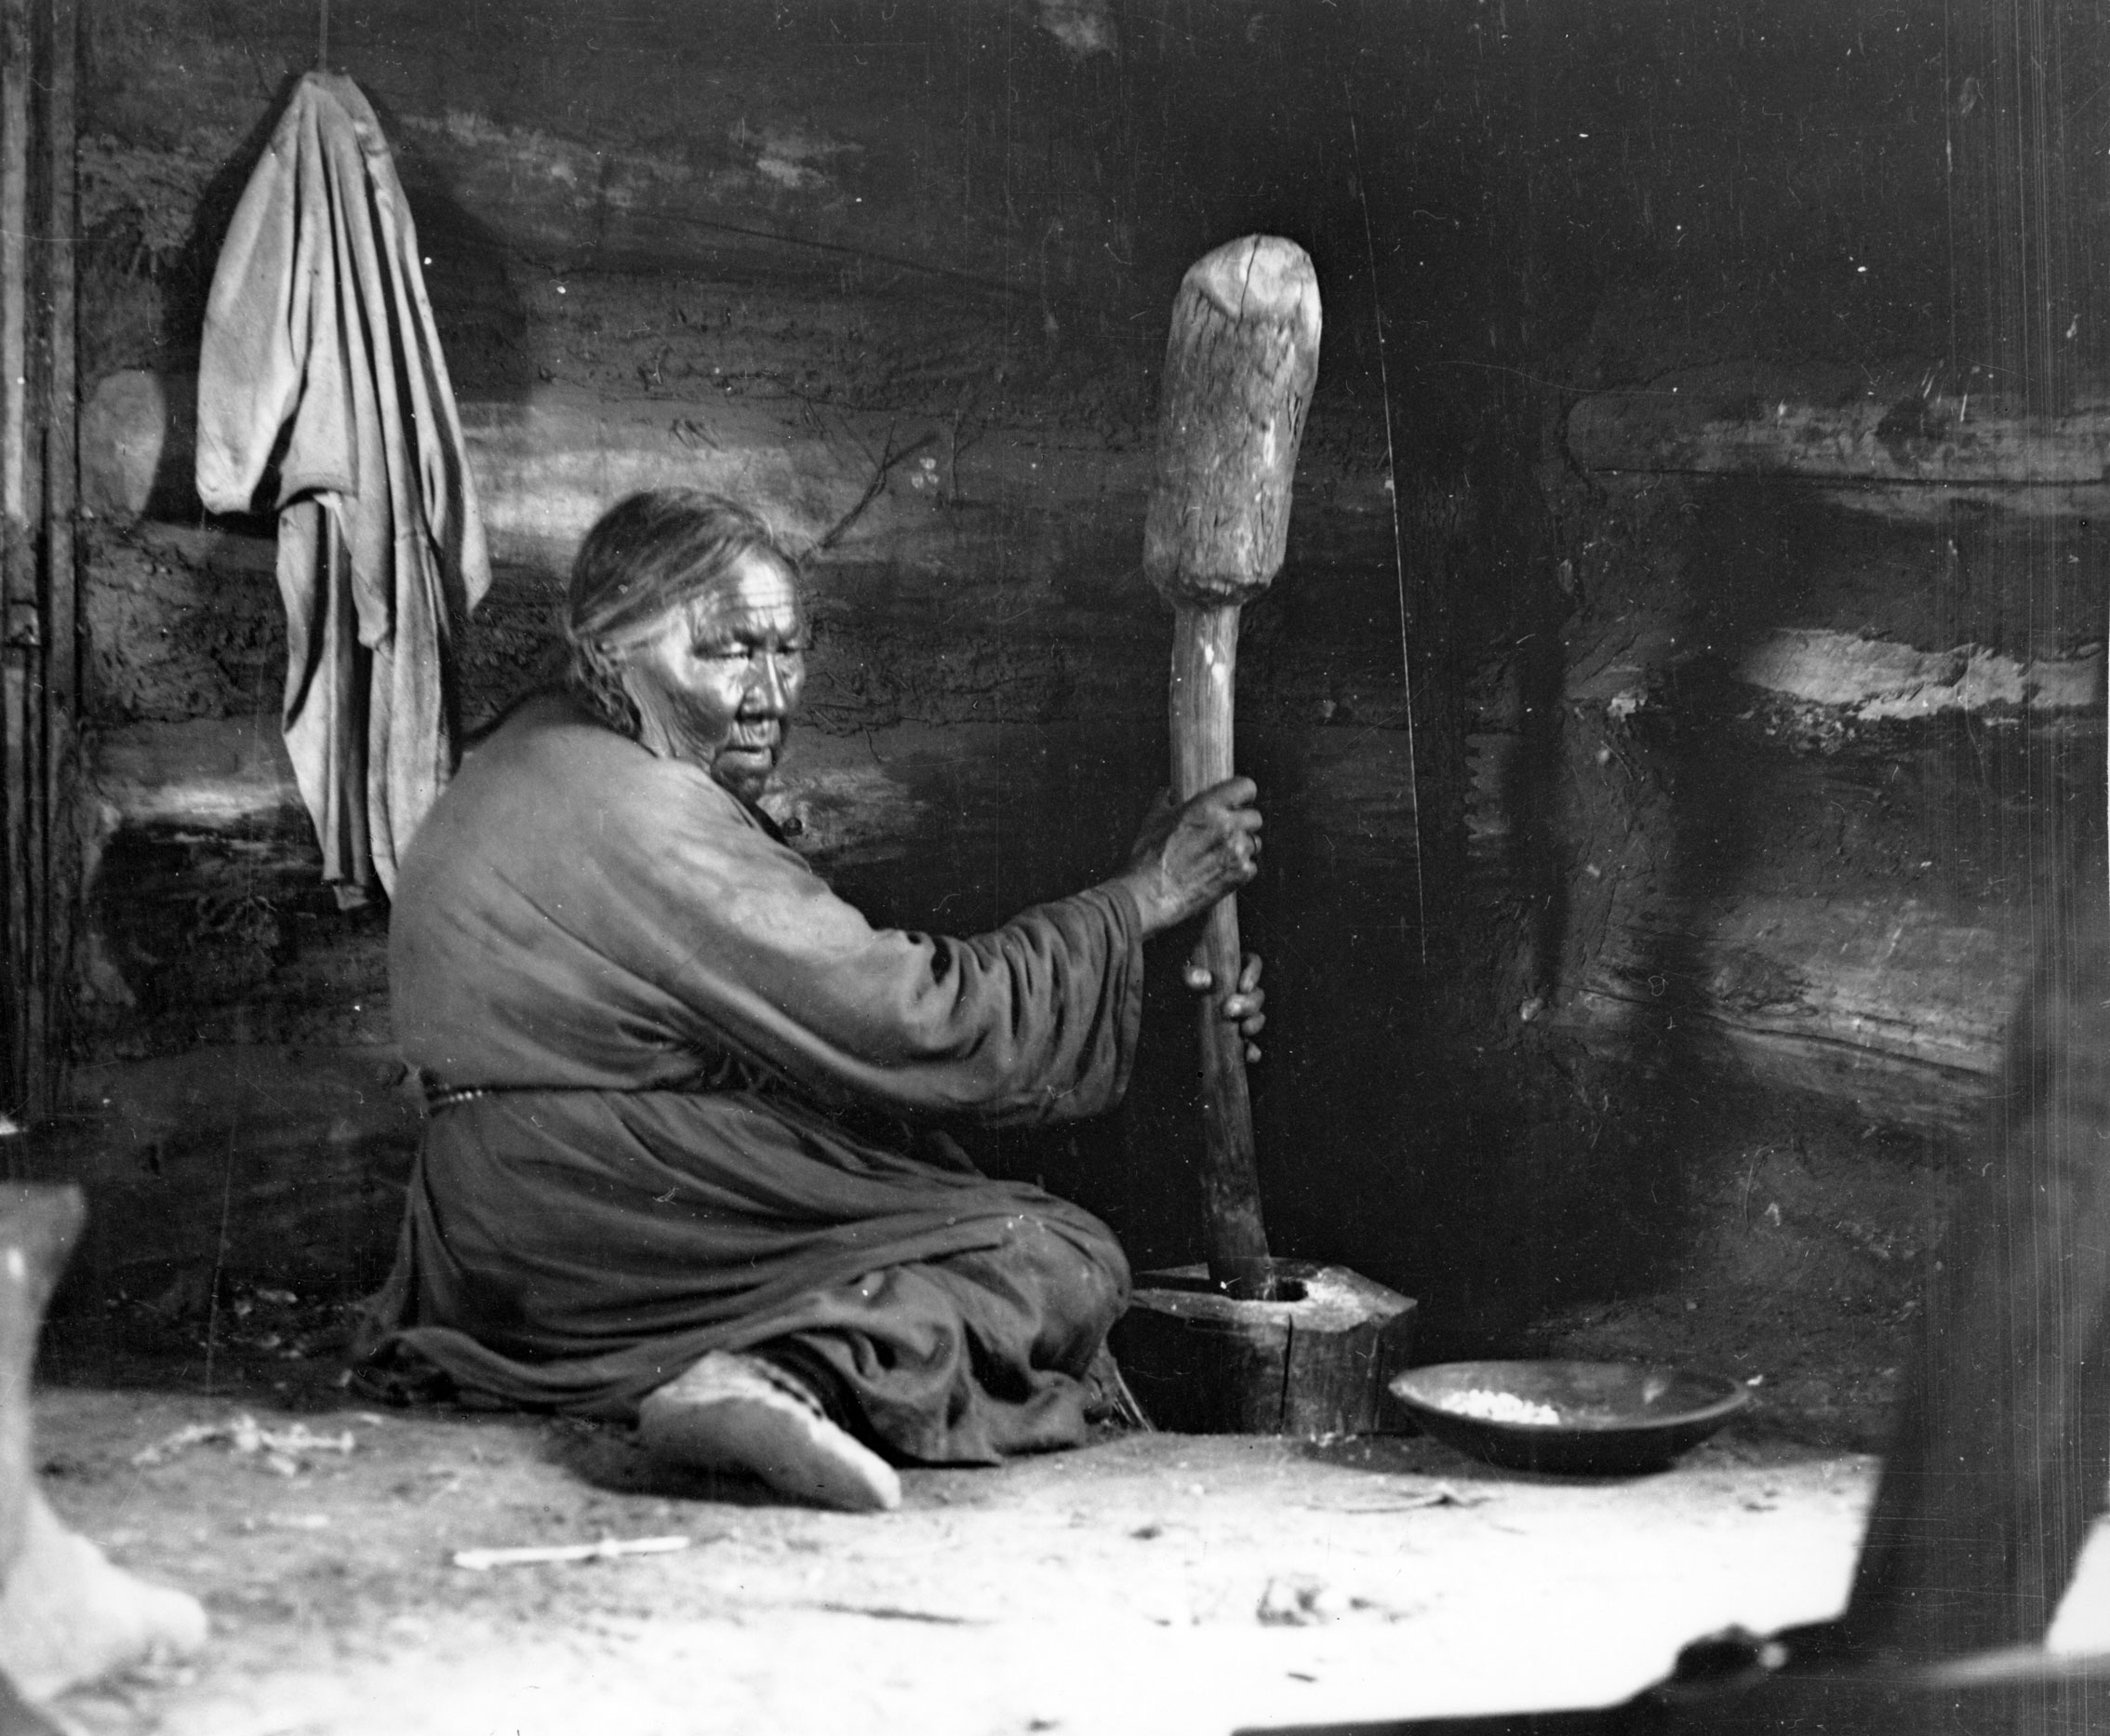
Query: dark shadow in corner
[[1685, 814], [1754, 544]]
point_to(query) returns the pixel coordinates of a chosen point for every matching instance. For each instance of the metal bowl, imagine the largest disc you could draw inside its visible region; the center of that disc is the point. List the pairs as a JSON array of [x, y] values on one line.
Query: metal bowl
[[1591, 1419]]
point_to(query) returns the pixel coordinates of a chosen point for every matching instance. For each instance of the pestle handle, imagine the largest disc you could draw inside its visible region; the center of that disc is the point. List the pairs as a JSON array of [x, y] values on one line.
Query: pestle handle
[[1205, 660]]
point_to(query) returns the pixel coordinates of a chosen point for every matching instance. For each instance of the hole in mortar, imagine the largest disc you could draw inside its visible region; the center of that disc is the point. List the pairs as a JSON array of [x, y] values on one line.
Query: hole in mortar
[[1268, 1290]]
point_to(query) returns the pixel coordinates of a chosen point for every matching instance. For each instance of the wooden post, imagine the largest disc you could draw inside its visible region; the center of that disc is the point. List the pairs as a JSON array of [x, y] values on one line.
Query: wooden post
[[39, 654], [1239, 365], [61, 453], [20, 738]]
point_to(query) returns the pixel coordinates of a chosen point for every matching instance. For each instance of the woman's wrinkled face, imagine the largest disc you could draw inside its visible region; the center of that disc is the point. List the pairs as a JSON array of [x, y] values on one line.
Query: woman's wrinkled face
[[717, 682]]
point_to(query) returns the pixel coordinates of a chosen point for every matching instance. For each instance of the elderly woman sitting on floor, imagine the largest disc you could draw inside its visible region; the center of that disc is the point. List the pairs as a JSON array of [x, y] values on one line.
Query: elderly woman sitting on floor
[[680, 1163]]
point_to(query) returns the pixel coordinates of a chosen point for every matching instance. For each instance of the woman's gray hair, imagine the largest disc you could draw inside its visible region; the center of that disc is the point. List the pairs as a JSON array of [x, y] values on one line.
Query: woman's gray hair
[[650, 554]]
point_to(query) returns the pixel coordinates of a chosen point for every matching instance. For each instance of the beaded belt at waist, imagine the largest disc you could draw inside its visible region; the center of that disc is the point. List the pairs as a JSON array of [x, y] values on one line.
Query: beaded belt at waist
[[437, 1101], [730, 1075], [445, 1096]]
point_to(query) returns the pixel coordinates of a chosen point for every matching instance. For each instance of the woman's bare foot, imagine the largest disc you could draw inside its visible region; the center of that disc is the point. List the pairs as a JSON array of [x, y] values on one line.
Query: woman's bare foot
[[734, 1412]]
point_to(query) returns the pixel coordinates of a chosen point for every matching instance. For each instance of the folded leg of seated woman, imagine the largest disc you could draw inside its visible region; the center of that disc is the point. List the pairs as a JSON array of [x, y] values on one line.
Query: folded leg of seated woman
[[962, 1360]]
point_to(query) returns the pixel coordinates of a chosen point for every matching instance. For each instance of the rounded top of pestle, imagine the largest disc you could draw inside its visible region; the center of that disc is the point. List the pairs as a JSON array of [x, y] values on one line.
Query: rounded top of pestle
[[1239, 365], [1261, 277]]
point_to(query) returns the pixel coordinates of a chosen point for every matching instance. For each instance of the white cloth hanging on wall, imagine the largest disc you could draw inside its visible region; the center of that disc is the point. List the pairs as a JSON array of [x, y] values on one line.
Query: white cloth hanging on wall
[[321, 382]]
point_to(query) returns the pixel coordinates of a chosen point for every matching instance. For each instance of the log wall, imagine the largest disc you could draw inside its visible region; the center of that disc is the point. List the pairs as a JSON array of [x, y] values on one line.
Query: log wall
[[1751, 665]]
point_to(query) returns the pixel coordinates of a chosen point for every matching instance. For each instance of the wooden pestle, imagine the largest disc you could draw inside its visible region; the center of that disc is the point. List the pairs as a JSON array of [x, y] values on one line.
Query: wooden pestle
[[1238, 372]]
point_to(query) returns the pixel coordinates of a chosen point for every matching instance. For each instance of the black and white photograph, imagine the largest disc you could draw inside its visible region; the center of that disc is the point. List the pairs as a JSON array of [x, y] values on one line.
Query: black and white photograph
[[1054, 867]]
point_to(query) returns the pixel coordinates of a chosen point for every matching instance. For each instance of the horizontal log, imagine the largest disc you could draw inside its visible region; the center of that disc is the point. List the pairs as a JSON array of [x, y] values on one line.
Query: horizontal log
[[1868, 680], [670, 137], [1840, 426], [207, 773], [848, 800], [1889, 1005], [217, 774], [1939, 506], [1875, 681], [547, 466]]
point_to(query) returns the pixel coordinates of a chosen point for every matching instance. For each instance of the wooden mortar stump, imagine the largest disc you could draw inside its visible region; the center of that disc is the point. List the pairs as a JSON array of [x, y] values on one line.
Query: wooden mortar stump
[[1201, 1362]]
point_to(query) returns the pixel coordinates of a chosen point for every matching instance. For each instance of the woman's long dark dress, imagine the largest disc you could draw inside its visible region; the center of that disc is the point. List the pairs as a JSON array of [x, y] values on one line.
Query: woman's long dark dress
[[703, 1071]]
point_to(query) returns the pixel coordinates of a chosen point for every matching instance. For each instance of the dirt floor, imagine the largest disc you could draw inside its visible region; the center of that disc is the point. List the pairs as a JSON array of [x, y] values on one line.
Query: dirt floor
[[1148, 1583]]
